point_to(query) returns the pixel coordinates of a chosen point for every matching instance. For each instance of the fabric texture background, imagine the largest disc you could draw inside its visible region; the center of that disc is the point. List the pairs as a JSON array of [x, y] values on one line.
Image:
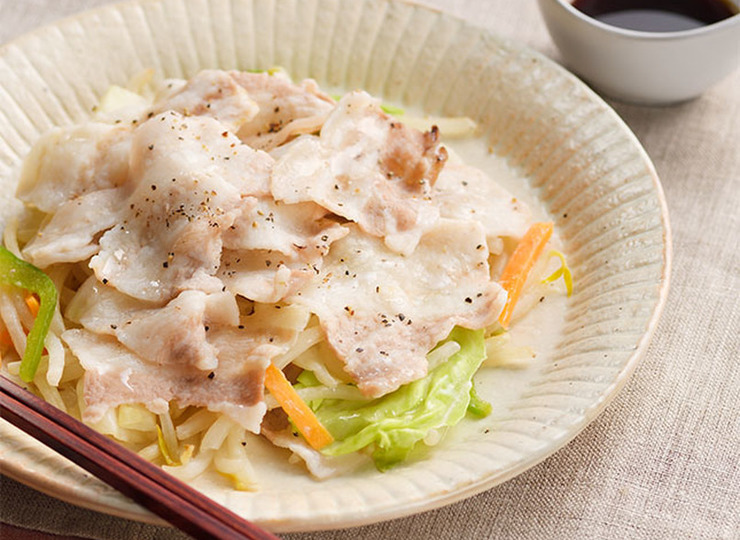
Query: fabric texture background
[[663, 461]]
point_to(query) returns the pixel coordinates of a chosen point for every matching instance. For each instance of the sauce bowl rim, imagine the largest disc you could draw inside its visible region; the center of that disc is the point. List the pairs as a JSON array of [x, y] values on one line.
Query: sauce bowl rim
[[733, 20]]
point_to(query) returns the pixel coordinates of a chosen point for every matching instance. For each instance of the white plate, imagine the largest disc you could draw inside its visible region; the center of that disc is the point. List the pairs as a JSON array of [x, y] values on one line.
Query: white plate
[[552, 138]]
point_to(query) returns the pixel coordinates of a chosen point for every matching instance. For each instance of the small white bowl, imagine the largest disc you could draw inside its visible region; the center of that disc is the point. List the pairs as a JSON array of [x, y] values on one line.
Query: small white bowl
[[650, 68]]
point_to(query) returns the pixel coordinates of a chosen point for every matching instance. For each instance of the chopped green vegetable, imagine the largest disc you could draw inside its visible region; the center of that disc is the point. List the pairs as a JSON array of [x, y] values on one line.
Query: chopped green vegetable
[[272, 71], [392, 110], [478, 406], [19, 273], [385, 107], [396, 422], [563, 272]]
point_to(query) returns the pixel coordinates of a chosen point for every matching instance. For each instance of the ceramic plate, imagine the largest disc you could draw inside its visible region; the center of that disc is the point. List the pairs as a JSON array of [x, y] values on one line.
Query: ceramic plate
[[544, 135]]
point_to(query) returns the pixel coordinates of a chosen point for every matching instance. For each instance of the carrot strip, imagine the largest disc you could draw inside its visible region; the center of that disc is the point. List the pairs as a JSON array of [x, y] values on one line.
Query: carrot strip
[[33, 304], [5, 338], [520, 264], [302, 416]]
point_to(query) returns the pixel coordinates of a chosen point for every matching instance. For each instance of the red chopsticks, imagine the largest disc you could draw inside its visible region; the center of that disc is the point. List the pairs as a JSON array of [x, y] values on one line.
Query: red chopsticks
[[145, 483]]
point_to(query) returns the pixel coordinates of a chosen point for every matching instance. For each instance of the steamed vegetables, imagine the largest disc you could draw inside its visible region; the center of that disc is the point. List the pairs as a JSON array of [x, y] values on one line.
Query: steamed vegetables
[[395, 423]]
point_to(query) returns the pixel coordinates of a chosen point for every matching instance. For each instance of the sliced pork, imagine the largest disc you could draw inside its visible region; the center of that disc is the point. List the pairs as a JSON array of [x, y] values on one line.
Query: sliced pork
[[368, 168], [465, 192], [214, 94], [290, 229], [273, 248], [286, 110], [71, 233], [188, 177], [383, 312], [173, 334], [114, 375], [71, 161]]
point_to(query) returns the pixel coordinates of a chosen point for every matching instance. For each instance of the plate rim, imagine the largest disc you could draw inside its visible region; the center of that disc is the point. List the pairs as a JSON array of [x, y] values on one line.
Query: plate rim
[[132, 511]]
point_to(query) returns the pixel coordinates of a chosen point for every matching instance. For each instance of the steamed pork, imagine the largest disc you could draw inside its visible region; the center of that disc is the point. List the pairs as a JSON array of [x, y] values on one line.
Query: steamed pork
[[239, 219]]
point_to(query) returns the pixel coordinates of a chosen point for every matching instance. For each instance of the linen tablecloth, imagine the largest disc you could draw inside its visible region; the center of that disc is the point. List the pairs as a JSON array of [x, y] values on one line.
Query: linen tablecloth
[[663, 461]]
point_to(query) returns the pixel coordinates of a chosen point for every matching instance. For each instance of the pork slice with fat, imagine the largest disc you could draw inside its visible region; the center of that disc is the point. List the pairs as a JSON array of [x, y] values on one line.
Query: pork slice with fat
[[188, 178], [383, 312]]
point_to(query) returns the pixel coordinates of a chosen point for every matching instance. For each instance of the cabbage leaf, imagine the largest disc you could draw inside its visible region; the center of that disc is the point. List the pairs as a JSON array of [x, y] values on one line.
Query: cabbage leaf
[[393, 424]]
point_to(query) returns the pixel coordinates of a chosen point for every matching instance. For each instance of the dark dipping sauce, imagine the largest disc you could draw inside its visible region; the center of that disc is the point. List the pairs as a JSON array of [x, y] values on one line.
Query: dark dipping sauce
[[657, 15]]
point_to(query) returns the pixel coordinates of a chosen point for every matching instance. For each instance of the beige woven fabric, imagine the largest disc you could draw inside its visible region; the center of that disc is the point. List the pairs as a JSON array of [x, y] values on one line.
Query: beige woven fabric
[[663, 462]]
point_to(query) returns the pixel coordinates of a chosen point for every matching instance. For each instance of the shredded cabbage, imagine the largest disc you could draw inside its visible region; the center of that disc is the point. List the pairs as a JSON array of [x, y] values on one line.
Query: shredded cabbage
[[393, 424], [116, 98], [501, 353], [136, 417]]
